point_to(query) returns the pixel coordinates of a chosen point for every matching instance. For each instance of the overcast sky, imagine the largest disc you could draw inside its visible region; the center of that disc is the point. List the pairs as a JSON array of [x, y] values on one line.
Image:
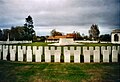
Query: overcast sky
[[63, 15]]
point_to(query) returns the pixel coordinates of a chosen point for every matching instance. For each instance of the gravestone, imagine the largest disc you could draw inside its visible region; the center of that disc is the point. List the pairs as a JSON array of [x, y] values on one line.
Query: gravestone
[[78, 48], [34, 49], [24, 49], [109, 49], [20, 55], [5, 53], [114, 56], [91, 50], [57, 55], [52, 49], [72, 50], [118, 49], [76, 56], [67, 56], [105, 56], [84, 49], [87, 56], [28, 47], [97, 48], [46, 48], [29, 55], [12, 54], [102, 49], [48, 56], [40, 48], [38, 56], [114, 48], [0, 51], [96, 56]]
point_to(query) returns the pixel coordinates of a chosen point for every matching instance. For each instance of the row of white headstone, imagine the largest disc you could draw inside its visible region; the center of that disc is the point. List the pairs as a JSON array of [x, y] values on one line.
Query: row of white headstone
[[56, 52]]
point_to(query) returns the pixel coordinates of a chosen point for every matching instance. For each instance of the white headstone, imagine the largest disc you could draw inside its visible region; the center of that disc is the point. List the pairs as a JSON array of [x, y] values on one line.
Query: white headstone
[[29, 55], [114, 56], [38, 56], [0, 51], [34, 49], [52, 49], [109, 49], [12, 54], [24, 49], [78, 48], [114, 48], [91, 50], [118, 49], [5, 53], [76, 56], [102, 49], [72, 50], [20, 55], [57, 55], [19, 47], [48, 56], [67, 56], [28, 47], [84, 49], [46, 48], [105, 56], [87, 56], [40, 48], [96, 56], [97, 48]]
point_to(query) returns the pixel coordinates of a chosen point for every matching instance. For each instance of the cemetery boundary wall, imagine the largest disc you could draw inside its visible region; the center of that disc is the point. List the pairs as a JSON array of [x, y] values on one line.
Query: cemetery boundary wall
[[67, 54]]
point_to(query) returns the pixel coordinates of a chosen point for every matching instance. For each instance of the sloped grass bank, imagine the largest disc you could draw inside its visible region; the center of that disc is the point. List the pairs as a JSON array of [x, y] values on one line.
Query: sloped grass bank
[[59, 72]]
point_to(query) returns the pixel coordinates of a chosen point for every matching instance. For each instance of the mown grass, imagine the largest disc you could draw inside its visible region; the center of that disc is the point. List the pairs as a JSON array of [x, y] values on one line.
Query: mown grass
[[59, 72], [84, 44]]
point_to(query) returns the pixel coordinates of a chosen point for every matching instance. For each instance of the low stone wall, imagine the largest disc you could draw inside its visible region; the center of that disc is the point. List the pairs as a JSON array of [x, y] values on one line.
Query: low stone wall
[[60, 54], [14, 42]]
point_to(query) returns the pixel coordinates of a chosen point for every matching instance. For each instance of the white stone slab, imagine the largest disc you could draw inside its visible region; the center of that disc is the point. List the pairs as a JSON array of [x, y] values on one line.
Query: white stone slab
[[20, 55], [76, 56], [114, 48], [29, 55], [57, 55], [52, 49], [5, 53], [67, 56], [96, 56], [59, 48], [19, 47], [114, 56], [97, 48], [40, 48], [38, 56], [46, 48], [47, 56], [28, 47], [0, 47], [109, 49], [105, 56], [84, 49], [102, 49], [91, 50], [72, 50], [87, 56], [34, 49], [78, 48], [24, 49], [118, 49], [12, 54], [0, 53]]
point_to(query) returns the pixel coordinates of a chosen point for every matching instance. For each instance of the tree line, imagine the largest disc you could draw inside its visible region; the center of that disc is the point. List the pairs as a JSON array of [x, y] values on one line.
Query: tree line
[[94, 34], [25, 32]]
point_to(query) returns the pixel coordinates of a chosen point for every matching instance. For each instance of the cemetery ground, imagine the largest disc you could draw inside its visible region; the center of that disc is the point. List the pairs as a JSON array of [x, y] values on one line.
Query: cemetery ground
[[59, 72]]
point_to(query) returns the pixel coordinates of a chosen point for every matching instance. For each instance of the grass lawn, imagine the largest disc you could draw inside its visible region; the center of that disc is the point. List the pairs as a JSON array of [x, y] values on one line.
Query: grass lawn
[[84, 44], [59, 72]]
